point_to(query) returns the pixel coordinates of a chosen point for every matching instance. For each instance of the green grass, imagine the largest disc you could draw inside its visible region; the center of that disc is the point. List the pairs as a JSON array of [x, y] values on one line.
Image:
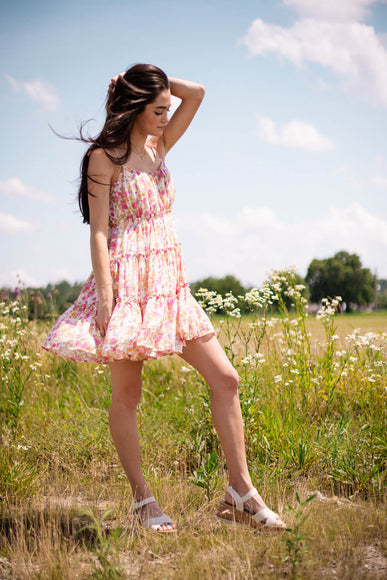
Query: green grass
[[313, 397]]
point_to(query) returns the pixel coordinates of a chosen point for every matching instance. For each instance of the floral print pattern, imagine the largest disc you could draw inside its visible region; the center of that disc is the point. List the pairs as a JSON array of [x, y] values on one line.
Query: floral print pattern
[[155, 313]]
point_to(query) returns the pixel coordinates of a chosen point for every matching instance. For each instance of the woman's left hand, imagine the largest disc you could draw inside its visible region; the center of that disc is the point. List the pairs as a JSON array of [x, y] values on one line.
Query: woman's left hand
[[114, 80]]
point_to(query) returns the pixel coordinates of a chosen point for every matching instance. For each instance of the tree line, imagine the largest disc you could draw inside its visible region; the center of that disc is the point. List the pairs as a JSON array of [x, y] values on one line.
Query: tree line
[[340, 275]]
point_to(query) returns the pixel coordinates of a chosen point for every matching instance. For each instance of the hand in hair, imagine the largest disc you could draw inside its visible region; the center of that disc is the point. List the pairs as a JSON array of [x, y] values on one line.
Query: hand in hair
[[114, 80]]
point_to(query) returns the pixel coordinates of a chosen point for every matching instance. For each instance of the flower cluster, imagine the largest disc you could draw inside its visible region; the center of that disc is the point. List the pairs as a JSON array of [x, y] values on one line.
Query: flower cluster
[[261, 298], [213, 302], [329, 307]]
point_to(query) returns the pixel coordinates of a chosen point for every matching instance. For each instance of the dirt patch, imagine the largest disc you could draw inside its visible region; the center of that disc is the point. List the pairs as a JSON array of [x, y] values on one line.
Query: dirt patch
[[374, 560]]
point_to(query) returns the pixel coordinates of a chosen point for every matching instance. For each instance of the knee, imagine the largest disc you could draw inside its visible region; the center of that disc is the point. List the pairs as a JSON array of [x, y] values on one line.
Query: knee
[[232, 380], [228, 382]]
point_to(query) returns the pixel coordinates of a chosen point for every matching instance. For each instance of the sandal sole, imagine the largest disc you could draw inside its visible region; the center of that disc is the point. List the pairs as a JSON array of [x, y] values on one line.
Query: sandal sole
[[231, 515]]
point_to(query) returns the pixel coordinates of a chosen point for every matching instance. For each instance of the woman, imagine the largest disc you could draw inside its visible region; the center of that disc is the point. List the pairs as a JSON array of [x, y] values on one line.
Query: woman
[[137, 305]]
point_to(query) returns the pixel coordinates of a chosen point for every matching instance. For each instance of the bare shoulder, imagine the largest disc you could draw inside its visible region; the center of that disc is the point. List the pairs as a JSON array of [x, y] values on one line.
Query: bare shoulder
[[99, 161], [101, 164]]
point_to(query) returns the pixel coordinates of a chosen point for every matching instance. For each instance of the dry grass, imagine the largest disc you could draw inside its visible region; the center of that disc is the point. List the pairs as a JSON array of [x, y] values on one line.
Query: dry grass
[[345, 539]]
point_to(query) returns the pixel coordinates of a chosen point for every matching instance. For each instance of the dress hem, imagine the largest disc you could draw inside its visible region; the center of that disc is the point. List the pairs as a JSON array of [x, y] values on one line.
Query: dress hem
[[89, 357]]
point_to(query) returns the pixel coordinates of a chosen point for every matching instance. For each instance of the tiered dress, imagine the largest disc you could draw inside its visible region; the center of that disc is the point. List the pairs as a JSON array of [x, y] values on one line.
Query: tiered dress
[[155, 313]]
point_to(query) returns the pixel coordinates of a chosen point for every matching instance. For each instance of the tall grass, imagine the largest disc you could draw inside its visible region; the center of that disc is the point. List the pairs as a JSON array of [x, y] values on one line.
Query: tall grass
[[314, 405]]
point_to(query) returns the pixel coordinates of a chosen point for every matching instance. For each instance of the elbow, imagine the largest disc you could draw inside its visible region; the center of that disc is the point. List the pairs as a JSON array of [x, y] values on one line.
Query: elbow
[[98, 237], [201, 91]]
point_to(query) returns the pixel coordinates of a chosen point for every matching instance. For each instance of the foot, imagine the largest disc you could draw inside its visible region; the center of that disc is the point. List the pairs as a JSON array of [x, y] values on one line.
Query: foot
[[255, 504], [152, 510]]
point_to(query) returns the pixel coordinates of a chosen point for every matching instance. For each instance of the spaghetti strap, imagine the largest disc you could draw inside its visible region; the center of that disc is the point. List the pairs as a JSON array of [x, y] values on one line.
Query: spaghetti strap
[[154, 150]]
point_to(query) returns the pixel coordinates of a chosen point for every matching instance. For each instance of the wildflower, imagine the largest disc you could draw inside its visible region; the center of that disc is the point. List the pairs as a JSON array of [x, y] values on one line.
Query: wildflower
[[236, 313], [185, 369], [341, 353], [328, 308]]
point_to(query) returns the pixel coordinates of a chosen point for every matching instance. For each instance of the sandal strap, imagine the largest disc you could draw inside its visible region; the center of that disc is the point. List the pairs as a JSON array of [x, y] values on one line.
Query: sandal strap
[[268, 515], [139, 504], [240, 500]]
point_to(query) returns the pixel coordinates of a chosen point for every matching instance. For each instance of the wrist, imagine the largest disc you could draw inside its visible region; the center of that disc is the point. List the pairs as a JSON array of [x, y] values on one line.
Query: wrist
[[105, 294]]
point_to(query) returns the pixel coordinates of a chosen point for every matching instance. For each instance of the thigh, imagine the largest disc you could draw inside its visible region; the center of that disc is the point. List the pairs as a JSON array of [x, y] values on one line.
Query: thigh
[[207, 356], [126, 375]]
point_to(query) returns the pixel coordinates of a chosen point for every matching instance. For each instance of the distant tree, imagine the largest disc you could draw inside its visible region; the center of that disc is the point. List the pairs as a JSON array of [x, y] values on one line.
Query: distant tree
[[220, 285], [65, 294], [382, 283], [46, 301], [382, 294], [342, 275]]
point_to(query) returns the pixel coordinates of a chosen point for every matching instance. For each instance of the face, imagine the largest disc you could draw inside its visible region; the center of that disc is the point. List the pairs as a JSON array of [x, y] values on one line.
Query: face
[[154, 118]]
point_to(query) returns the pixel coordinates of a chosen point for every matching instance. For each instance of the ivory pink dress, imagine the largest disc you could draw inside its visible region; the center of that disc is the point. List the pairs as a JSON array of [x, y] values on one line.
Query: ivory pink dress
[[155, 313]]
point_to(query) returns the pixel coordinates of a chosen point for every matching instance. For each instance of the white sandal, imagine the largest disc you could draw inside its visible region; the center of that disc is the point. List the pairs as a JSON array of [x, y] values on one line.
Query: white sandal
[[153, 523], [239, 513]]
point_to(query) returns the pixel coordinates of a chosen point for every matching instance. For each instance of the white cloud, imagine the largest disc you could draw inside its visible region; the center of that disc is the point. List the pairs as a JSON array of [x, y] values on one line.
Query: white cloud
[[353, 51], [257, 240], [37, 90], [15, 187], [354, 10], [378, 181], [12, 225], [294, 135]]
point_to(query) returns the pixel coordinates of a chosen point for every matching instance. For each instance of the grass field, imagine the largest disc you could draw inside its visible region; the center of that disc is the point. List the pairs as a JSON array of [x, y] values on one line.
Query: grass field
[[313, 396]]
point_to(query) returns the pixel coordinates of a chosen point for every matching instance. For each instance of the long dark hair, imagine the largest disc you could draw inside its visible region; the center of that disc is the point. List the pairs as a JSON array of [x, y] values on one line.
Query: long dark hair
[[126, 99]]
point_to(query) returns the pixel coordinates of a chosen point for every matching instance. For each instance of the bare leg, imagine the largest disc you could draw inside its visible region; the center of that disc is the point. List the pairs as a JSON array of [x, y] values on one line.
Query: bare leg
[[126, 394], [207, 356]]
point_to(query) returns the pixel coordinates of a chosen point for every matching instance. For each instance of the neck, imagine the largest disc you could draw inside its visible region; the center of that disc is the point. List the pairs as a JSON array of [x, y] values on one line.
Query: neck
[[138, 140]]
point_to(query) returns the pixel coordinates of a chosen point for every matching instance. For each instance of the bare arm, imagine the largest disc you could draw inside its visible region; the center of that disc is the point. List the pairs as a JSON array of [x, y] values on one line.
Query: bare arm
[[191, 95], [102, 171]]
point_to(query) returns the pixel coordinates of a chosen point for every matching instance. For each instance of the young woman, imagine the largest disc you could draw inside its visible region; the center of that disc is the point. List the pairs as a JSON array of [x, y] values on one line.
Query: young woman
[[137, 305]]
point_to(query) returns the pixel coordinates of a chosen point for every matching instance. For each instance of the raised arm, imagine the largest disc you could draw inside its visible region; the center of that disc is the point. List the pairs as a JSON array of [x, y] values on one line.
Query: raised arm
[[101, 173], [191, 95]]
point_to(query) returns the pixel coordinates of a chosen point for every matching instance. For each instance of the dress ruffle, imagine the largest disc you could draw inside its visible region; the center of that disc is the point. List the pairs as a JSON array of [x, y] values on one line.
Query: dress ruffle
[[158, 328]]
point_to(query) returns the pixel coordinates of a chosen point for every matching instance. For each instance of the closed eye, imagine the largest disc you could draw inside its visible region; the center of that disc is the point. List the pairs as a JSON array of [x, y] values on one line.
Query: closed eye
[[160, 113]]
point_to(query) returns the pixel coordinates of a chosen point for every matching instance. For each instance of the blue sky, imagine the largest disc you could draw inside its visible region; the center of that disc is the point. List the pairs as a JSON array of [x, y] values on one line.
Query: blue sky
[[286, 160]]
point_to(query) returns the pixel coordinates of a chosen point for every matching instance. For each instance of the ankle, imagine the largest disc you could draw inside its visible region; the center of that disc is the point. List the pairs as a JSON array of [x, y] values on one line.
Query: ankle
[[141, 492], [242, 484]]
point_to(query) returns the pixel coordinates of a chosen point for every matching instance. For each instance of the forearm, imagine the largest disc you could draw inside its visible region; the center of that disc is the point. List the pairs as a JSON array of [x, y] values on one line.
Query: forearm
[[101, 266], [184, 89]]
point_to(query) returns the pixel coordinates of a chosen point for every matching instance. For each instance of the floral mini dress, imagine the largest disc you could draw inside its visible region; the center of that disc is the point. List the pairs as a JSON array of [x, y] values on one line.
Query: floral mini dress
[[155, 313]]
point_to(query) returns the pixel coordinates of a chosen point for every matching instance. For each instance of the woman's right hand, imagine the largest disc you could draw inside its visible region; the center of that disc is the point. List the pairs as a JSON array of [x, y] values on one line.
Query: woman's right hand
[[104, 314]]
